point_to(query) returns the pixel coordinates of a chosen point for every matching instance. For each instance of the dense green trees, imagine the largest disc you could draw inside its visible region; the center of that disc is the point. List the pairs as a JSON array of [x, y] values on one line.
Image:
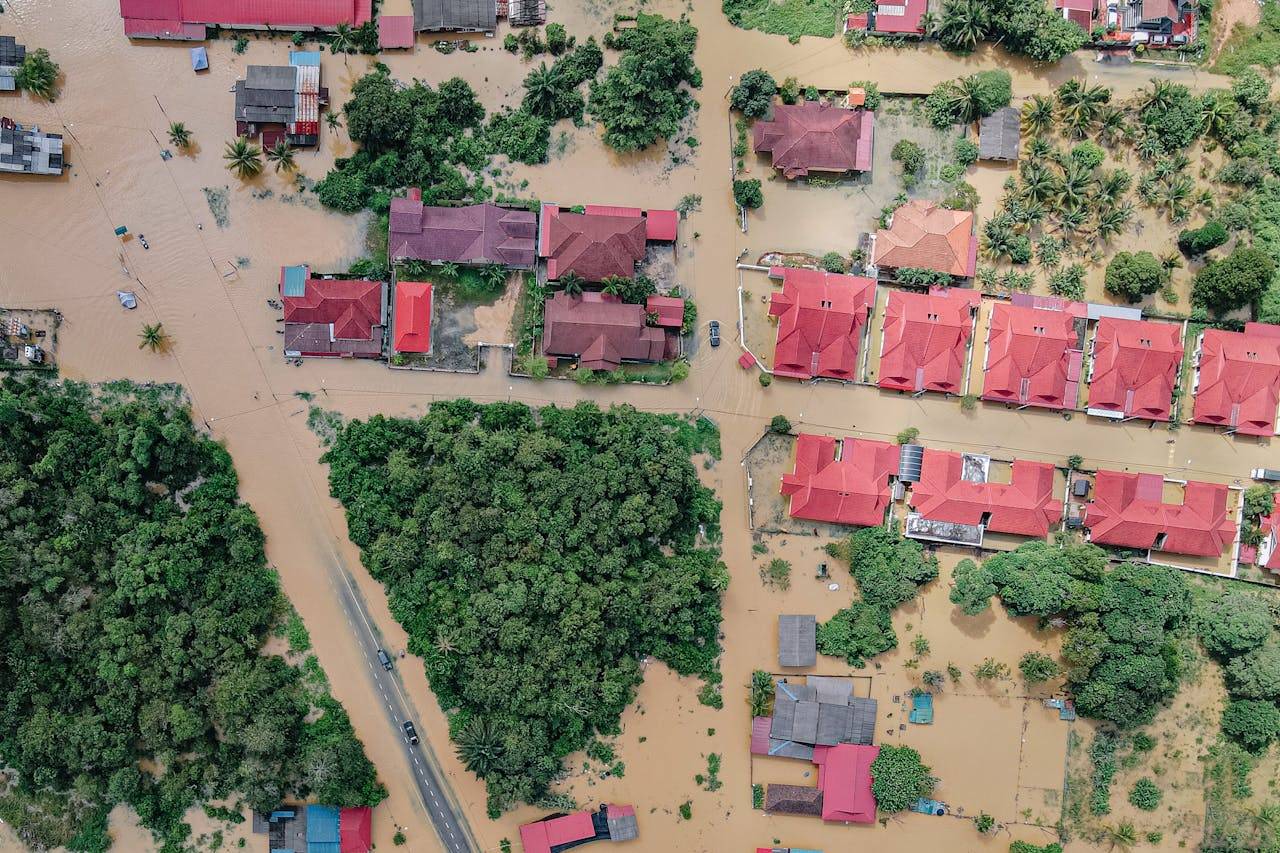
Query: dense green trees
[[972, 587], [134, 603], [747, 193], [1133, 275], [1028, 28], [1234, 282], [899, 778], [645, 96], [535, 557], [857, 632], [1252, 723], [1233, 623], [969, 98], [38, 74], [1037, 666], [1194, 242], [753, 96]]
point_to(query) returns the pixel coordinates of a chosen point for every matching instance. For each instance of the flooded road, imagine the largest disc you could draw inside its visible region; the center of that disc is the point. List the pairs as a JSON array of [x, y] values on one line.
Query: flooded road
[[211, 268]]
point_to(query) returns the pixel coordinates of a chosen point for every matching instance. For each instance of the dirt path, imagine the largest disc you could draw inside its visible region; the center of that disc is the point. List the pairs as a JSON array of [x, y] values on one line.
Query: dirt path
[[1227, 15]]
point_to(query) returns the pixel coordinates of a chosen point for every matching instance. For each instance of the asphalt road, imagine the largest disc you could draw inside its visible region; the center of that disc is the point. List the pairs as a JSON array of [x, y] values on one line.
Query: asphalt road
[[450, 824]]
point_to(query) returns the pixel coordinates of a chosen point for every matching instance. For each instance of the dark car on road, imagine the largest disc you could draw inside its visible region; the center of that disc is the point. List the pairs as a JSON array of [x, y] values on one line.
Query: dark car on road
[[410, 733], [714, 328], [384, 659]]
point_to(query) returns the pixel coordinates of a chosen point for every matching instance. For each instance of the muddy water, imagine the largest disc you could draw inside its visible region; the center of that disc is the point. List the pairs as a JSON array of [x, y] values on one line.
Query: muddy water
[[56, 248]]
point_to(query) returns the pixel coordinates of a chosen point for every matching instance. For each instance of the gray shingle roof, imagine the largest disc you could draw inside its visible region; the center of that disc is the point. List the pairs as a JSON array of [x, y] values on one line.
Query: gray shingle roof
[[1000, 135], [464, 15], [797, 640], [824, 713]]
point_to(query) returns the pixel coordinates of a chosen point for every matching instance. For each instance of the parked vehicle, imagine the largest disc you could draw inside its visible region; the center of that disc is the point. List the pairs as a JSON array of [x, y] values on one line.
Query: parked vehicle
[[714, 328], [410, 733], [384, 659]]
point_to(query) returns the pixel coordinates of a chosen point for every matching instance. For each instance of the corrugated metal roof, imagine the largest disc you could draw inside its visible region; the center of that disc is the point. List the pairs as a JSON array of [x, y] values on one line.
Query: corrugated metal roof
[[322, 828], [295, 280], [308, 58]]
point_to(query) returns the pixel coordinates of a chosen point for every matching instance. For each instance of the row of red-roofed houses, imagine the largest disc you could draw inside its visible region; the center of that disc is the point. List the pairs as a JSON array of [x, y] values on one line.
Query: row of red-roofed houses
[[1034, 353], [953, 498], [352, 317]]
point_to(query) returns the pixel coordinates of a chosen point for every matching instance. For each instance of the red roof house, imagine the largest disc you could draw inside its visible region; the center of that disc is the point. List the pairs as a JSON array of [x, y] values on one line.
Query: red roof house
[[355, 830], [333, 317], [1238, 379], [187, 19], [815, 136], [891, 17], [1128, 511], [395, 32], [844, 778], [821, 318], [926, 339], [601, 331], [1268, 548], [1080, 12], [922, 235], [1025, 506], [593, 245], [609, 823], [1033, 356], [1134, 368], [474, 234], [841, 481], [411, 329], [669, 310]]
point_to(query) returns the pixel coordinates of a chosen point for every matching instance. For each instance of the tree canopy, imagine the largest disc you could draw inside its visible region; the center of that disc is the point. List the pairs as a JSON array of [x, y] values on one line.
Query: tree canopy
[[1236, 281], [1133, 275], [1032, 29], [899, 778], [135, 600], [753, 96], [535, 557], [972, 587]]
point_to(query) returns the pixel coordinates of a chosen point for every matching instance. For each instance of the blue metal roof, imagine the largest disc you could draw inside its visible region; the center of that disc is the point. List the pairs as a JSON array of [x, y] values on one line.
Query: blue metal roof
[[304, 57], [199, 59], [324, 847], [322, 827], [295, 281]]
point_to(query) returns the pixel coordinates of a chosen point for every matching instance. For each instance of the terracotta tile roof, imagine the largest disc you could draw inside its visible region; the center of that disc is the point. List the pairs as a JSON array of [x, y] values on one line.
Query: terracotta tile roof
[[844, 778], [853, 489], [1269, 527], [1239, 384], [411, 331], [474, 234], [1135, 365], [926, 337], [542, 836], [600, 331], [334, 317], [1025, 506], [595, 246], [260, 13], [899, 16], [1028, 359], [1128, 511], [821, 318], [670, 310], [925, 236], [395, 31], [814, 136]]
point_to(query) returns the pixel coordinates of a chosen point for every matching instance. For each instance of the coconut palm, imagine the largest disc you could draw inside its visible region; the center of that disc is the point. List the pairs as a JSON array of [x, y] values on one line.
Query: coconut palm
[[448, 270], [154, 337], [1038, 183], [1157, 96], [244, 158], [929, 23], [1113, 185], [342, 40], [1071, 220], [614, 284], [1170, 261], [494, 275], [1216, 112], [480, 746], [1039, 148], [965, 99], [1037, 115], [572, 283], [1075, 187], [1176, 197], [542, 91], [1148, 147], [1112, 221], [1122, 835], [333, 120], [282, 156], [179, 135], [964, 23], [1112, 126]]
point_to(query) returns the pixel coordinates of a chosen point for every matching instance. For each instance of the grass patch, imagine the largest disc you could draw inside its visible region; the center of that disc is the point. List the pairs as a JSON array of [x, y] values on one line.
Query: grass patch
[[1258, 45], [792, 18]]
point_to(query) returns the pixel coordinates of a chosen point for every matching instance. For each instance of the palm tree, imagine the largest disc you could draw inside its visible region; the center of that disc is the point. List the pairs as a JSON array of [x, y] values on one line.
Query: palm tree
[[964, 24], [928, 23], [1176, 197], [1158, 96], [480, 746], [1069, 93], [1112, 221], [1071, 220], [1113, 185], [1038, 183], [1122, 835], [333, 120], [154, 337], [1170, 261], [1216, 112], [1112, 126], [614, 285], [572, 283], [1037, 115], [1076, 183], [1039, 148], [282, 156], [342, 40], [179, 135], [494, 275], [243, 158], [542, 88], [38, 74], [448, 270], [965, 98], [1148, 147]]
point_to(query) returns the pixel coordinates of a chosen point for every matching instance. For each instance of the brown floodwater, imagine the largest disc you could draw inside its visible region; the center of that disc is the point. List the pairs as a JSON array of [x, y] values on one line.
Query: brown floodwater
[[208, 283]]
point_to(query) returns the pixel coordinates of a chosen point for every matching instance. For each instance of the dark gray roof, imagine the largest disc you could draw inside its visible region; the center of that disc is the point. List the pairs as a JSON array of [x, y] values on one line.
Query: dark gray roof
[[797, 640], [823, 712], [283, 77], [11, 53], [467, 15], [263, 105], [623, 828], [793, 799], [1000, 135]]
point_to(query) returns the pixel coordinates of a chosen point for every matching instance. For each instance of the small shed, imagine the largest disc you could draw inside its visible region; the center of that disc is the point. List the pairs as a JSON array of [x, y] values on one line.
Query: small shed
[[199, 59], [1000, 135], [793, 799], [797, 640]]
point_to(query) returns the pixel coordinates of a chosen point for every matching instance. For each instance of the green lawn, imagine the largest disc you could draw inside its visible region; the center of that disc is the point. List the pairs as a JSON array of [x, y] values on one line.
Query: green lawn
[[792, 18]]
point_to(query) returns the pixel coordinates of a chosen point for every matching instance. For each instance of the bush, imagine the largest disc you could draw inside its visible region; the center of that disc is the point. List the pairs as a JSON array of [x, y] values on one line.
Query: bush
[[38, 74], [1196, 241], [1145, 795], [766, 379], [1233, 623], [899, 778], [1134, 275], [1037, 666], [777, 574], [832, 262], [1234, 282], [521, 136], [1088, 154], [984, 823], [780, 425], [557, 39], [747, 193], [873, 98], [1252, 723], [966, 152], [922, 277], [753, 96], [857, 632], [909, 155], [907, 436], [971, 587]]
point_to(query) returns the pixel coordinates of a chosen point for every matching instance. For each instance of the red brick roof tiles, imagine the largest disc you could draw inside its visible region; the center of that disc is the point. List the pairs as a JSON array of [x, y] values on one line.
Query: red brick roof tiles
[[669, 309], [334, 317], [1128, 511], [1269, 527], [1239, 379], [926, 337], [595, 246], [815, 136], [853, 489], [1025, 506], [844, 778], [1135, 366], [474, 234], [411, 331], [600, 331], [926, 236], [541, 836], [263, 13], [1028, 360], [821, 318]]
